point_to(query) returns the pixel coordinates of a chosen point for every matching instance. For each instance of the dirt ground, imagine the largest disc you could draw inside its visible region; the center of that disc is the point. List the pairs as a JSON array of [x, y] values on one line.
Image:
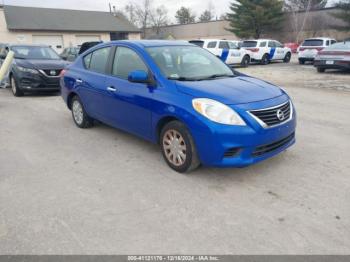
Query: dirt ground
[[64, 190]]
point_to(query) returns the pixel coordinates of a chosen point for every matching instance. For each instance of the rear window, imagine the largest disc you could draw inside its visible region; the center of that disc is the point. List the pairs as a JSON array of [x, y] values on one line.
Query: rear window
[[249, 44], [212, 44], [313, 42], [197, 43]]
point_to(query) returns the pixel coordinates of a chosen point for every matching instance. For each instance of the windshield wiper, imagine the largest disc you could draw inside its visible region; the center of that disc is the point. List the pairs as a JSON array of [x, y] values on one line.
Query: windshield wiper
[[216, 76], [182, 78]]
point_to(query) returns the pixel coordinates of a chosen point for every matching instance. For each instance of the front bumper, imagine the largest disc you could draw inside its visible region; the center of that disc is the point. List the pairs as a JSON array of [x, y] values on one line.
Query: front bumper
[[341, 64], [37, 82], [240, 146]]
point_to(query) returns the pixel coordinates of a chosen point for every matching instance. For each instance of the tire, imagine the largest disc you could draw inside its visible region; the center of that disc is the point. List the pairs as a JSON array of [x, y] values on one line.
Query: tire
[[14, 87], [80, 117], [301, 62], [245, 61], [178, 148], [287, 58], [265, 60], [321, 70]]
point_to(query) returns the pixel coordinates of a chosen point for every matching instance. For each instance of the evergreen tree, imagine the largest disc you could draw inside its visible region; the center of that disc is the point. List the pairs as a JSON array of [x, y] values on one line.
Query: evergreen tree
[[184, 16], [343, 14], [252, 18]]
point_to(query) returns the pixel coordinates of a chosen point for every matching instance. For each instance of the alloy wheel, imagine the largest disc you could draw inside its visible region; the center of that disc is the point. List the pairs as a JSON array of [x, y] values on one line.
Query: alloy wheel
[[78, 113], [174, 147]]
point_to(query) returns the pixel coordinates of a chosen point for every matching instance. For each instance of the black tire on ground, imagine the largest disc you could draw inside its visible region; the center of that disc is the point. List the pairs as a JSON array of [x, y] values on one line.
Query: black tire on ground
[[14, 87], [80, 117], [183, 143], [245, 61], [287, 58], [301, 61], [265, 59], [321, 70]]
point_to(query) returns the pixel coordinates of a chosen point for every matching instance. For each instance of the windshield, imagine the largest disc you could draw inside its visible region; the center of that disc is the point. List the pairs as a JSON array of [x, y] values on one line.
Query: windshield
[[313, 42], [339, 46], [188, 63], [34, 52], [249, 44]]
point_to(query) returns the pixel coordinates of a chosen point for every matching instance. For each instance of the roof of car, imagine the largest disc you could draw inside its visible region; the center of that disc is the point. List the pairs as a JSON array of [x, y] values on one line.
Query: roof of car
[[154, 43], [260, 40], [319, 38]]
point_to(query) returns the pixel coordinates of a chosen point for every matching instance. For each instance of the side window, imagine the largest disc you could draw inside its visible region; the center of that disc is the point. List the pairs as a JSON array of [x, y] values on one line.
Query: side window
[[126, 61], [224, 45], [87, 61], [272, 44], [333, 42], [262, 44], [327, 43], [211, 45], [99, 60]]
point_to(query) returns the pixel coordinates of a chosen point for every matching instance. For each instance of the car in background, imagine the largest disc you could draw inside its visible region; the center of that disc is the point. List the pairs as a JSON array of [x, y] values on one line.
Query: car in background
[[310, 48], [70, 54], [87, 45], [228, 51], [34, 68], [336, 56], [293, 46], [183, 98], [266, 50]]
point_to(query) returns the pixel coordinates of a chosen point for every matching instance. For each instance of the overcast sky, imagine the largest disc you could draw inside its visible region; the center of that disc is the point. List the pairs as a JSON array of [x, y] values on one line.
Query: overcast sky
[[197, 6]]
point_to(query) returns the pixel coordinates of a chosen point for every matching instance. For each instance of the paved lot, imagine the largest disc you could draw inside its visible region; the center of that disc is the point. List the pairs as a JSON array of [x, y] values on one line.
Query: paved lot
[[101, 191]]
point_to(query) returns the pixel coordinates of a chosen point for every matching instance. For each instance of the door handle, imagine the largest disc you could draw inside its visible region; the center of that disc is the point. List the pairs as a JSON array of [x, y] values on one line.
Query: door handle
[[111, 89], [79, 81]]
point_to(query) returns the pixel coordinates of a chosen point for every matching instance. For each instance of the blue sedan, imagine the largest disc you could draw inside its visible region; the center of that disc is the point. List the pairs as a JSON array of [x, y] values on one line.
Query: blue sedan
[[183, 98]]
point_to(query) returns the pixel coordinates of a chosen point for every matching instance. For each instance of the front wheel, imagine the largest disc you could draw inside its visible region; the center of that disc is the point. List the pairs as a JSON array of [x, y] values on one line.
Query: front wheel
[[80, 117], [14, 87], [265, 60], [245, 61], [320, 70], [287, 58], [178, 148]]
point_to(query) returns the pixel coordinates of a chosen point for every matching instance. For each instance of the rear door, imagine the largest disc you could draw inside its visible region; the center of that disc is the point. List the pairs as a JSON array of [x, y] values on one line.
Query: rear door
[[272, 50], [224, 49], [280, 50]]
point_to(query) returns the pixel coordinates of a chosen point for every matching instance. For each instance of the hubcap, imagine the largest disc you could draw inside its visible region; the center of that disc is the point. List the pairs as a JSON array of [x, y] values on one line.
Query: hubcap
[[174, 147], [77, 112]]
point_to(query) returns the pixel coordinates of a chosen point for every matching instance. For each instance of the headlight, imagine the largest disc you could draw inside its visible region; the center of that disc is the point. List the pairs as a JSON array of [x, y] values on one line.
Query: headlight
[[27, 70], [217, 112]]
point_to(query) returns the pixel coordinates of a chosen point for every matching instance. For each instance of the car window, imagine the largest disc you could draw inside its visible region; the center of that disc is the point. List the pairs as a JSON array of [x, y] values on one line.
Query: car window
[[249, 44], [211, 44], [87, 60], [272, 44], [313, 42], [35, 52], [99, 60], [262, 44], [223, 45], [126, 61], [333, 42], [197, 43], [233, 45], [327, 43], [278, 44], [339, 46]]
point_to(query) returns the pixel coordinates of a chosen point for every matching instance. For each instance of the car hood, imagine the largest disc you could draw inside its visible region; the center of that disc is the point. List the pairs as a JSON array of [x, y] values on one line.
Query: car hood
[[42, 64], [230, 91]]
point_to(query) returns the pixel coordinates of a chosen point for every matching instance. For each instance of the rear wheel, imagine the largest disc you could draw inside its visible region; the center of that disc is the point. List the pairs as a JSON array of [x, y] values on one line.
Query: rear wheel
[[265, 60], [80, 117], [321, 70], [301, 61], [245, 61], [178, 148], [287, 58], [14, 87]]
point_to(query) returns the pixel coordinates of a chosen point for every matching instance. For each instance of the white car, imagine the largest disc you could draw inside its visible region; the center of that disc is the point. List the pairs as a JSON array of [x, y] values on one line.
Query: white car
[[266, 50], [228, 51], [310, 48]]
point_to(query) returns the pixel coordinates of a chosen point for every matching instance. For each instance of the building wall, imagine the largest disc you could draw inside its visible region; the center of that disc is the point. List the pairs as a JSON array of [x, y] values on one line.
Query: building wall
[[213, 29]]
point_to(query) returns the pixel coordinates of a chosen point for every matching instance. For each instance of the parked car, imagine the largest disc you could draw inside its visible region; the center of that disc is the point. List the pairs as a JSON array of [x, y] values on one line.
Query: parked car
[[336, 56], [35, 68], [87, 45], [266, 50], [70, 54], [310, 48], [179, 95], [228, 51], [293, 46]]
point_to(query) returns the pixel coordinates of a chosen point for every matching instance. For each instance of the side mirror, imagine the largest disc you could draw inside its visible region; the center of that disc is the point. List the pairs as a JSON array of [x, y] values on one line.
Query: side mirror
[[138, 76]]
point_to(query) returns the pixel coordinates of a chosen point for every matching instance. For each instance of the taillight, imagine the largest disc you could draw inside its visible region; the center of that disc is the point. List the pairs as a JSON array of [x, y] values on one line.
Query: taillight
[[319, 49], [63, 72], [301, 49]]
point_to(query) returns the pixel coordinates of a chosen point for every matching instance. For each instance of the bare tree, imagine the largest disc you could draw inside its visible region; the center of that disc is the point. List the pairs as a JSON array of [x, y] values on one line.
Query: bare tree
[[130, 11], [159, 18], [143, 14]]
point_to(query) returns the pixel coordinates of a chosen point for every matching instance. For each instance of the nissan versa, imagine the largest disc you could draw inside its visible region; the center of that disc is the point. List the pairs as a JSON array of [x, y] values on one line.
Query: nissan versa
[[182, 97], [35, 68]]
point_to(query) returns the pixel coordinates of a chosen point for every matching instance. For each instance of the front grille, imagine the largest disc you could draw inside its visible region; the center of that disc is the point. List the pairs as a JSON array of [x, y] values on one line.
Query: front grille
[[52, 72], [273, 116], [272, 147], [231, 152]]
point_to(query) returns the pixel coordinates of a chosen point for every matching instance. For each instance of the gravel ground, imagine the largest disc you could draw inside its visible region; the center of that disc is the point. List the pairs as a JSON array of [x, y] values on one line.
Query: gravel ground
[[101, 191]]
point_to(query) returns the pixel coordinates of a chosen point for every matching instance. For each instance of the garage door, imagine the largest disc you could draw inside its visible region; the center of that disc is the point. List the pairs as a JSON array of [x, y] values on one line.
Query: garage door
[[80, 39], [54, 41]]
